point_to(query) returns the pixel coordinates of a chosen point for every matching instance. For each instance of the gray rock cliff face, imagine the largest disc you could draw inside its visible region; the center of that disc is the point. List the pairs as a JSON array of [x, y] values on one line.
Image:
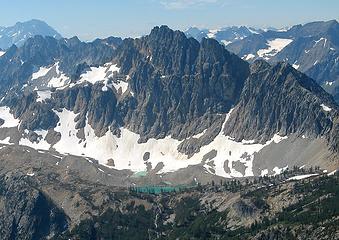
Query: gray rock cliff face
[[279, 99], [27, 213], [177, 81]]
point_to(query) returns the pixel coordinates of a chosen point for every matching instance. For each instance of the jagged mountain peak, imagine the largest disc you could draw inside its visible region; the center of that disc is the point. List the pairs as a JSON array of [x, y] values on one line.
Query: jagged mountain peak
[[166, 34], [259, 65], [33, 23]]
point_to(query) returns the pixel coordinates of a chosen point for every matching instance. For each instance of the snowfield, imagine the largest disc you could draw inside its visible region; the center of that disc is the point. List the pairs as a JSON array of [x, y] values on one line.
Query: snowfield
[[41, 72], [103, 74], [57, 79], [51, 76], [125, 152], [42, 144], [9, 120], [212, 33], [300, 177], [274, 47], [43, 95], [325, 108], [248, 57]]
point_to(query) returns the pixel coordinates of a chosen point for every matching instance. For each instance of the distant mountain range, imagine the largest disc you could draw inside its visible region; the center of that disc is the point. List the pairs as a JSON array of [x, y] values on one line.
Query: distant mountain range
[[311, 48], [224, 35], [22, 31]]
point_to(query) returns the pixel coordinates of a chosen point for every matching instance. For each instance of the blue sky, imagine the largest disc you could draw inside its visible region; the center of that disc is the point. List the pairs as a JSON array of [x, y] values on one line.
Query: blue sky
[[102, 18]]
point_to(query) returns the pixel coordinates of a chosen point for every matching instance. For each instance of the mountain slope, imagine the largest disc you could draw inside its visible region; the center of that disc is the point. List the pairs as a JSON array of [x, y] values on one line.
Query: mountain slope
[[311, 48], [271, 103], [300, 203], [162, 104], [21, 31]]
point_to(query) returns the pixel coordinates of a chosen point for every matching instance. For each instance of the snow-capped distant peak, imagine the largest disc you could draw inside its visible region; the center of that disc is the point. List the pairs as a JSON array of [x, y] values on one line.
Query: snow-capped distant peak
[[22, 31], [274, 46], [212, 33]]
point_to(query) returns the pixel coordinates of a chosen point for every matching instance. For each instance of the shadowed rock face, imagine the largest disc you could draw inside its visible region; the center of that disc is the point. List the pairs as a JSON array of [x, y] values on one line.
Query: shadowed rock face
[[33, 216], [177, 81], [279, 99]]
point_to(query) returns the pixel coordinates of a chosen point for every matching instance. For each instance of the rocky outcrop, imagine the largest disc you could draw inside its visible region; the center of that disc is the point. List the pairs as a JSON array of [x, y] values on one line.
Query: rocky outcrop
[[279, 99], [178, 82], [27, 213]]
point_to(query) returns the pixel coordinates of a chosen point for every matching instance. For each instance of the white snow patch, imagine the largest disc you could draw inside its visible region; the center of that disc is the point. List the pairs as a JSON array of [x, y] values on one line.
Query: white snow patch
[[300, 177], [127, 153], [100, 148], [2, 53], [325, 108], [6, 141], [295, 65], [41, 144], [247, 141], [225, 42], [9, 120], [199, 134], [121, 85], [278, 170], [329, 83], [249, 56], [264, 172], [274, 46], [41, 72], [212, 33], [332, 173], [60, 80], [94, 75], [321, 39], [43, 95], [103, 74], [30, 174]]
